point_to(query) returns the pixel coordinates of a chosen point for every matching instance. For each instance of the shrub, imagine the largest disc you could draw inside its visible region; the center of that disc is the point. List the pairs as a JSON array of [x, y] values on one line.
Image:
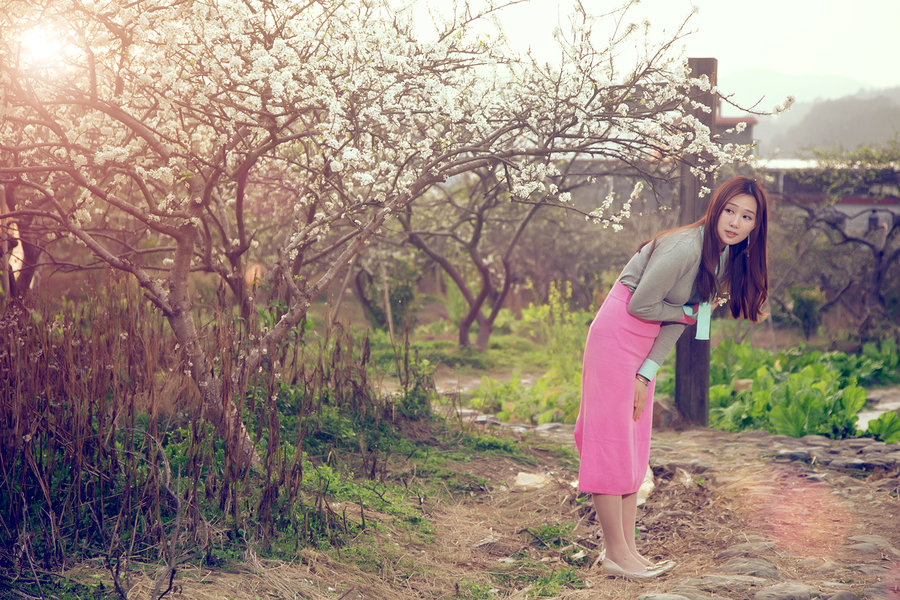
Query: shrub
[[805, 306]]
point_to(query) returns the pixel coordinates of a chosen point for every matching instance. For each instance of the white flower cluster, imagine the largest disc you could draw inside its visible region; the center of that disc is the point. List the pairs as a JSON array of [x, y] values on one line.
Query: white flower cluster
[[533, 178], [615, 220]]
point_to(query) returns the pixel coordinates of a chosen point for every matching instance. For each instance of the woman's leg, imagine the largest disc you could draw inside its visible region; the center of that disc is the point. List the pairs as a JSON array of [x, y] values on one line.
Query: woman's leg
[[610, 510], [629, 520]]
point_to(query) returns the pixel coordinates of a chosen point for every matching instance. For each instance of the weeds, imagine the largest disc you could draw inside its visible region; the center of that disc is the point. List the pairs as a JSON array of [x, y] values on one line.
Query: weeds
[[552, 535], [81, 472], [554, 582], [539, 582], [470, 590], [103, 453]]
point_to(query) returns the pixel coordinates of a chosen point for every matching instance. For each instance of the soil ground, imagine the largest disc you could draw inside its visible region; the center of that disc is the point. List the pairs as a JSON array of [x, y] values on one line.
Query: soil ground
[[712, 490]]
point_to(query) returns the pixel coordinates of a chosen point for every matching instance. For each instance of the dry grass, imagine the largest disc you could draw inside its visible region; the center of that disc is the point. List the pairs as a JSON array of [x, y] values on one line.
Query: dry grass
[[484, 540], [742, 498]]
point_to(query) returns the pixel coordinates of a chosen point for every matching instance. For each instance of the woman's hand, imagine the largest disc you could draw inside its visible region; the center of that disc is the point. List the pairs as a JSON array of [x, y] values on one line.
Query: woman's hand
[[641, 391]]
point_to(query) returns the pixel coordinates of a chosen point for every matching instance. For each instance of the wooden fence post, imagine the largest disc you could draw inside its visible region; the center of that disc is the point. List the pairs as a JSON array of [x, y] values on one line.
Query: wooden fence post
[[692, 355]]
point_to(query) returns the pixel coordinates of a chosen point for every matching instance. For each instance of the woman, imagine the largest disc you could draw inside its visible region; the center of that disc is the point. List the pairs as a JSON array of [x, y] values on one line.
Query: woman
[[668, 284]]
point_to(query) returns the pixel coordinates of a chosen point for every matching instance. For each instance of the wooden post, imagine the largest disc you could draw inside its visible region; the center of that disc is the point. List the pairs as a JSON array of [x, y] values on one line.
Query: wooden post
[[692, 355]]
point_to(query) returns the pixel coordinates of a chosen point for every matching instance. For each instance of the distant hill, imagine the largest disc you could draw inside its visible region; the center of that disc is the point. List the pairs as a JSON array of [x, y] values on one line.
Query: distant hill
[[745, 87], [870, 117]]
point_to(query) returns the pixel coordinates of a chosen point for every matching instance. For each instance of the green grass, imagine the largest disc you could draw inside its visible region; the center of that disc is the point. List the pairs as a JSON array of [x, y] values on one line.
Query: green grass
[[469, 590], [544, 582], [556, 581], [555, 535], [60, 588]]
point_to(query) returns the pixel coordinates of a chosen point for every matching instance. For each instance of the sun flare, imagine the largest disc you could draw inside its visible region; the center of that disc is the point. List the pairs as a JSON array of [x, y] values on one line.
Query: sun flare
[[42, 46]]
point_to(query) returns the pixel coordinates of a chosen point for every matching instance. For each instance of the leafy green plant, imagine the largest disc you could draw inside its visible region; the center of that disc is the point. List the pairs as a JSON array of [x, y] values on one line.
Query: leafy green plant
[[813, 402], [814, 399], [886, 359], [547, 400], [555, 395], [886, 428], [490, 443], [876, 364], [561, 330], [730, 361]]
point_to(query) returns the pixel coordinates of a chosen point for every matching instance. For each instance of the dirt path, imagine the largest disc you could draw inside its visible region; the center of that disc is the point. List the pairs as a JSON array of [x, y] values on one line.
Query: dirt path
[[747, 515]]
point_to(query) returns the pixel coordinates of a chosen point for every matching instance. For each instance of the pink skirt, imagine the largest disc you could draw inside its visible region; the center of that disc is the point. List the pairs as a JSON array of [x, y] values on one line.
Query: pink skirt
[[614, 448]]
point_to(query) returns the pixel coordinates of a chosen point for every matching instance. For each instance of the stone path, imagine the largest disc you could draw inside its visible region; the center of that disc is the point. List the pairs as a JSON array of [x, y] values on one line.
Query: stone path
[[829, 509]]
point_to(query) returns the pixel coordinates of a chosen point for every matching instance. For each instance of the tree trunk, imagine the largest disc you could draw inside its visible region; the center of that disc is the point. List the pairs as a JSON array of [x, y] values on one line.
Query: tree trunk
[[360, 281], [874, 309], [474, 314], [465, 326], [8, 282], [216, 398], [216, 395], [485, 328], [879, 269]]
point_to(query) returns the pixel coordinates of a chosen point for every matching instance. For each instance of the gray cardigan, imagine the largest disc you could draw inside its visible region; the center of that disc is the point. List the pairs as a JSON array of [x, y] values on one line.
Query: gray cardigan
[[662, 283]]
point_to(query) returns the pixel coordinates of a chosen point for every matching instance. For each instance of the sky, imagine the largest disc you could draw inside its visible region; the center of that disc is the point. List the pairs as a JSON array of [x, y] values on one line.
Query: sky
[[811, 49]]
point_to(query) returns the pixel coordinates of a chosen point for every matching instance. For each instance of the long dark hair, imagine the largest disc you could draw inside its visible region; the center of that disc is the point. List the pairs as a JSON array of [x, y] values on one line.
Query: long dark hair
[[746, 271]]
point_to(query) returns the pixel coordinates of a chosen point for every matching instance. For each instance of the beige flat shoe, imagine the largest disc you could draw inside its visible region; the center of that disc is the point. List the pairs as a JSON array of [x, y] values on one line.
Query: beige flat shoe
[[611, 569], [663, 566]]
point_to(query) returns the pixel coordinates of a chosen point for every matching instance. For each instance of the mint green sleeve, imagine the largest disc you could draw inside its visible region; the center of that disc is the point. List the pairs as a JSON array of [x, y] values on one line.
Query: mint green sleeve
[[704, 316], [649, 369]]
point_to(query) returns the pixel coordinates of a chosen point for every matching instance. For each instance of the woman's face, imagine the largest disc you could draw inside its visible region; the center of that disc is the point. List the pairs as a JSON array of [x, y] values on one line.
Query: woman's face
[[737, 220]]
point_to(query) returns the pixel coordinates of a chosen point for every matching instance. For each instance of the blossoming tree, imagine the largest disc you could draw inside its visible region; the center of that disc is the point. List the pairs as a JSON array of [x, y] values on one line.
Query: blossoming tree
[[169, 138]]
